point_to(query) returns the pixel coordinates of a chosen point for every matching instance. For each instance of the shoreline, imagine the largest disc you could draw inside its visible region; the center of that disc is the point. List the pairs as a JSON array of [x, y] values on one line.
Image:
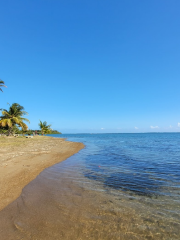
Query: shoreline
[[23, 159]]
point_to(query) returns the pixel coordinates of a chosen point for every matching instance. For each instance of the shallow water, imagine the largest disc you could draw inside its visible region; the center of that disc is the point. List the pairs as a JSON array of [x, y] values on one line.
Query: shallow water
[[121, 186]]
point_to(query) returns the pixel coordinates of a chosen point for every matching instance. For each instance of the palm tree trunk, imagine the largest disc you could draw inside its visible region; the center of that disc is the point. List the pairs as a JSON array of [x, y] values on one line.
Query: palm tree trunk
[[10, 131]]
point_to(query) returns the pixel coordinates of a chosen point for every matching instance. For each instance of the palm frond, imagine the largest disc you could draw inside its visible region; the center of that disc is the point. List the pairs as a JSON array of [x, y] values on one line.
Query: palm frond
[[13, 117], [2, 85], [4, 122], [2, 109], [23, 125], [5, 113], [24, 119], [9, 123], [16, 120]]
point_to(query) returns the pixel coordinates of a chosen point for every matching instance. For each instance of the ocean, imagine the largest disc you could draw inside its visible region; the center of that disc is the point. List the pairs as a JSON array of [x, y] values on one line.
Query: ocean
[[120, 186]]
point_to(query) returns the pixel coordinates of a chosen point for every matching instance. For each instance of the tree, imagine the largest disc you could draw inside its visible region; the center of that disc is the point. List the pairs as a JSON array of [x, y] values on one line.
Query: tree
[[13, 117], [1, 85], [45, 129]]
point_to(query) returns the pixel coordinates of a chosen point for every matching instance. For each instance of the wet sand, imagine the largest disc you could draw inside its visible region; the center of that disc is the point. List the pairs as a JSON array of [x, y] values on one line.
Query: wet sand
[[22, 159], [48, 211]]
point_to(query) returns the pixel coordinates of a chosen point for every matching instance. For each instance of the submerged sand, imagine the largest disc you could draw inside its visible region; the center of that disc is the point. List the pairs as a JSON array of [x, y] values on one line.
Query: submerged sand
[[22, 159]]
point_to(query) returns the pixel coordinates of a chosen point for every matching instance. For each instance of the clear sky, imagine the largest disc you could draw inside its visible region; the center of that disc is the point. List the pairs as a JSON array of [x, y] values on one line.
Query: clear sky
[[93, 66]]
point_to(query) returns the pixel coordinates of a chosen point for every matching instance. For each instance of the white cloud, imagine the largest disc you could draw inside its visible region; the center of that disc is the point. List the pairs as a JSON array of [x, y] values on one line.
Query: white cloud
[[170, 126], [178, 124], [102, 128], [154, 127], [136, 127]]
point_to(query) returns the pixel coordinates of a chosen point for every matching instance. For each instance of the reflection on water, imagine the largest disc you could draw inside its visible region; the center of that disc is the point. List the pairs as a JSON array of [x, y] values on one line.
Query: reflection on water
[[121, 186]]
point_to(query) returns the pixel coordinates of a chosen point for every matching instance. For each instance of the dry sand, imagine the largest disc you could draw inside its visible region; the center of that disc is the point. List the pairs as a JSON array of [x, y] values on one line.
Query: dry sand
[[22, 159]]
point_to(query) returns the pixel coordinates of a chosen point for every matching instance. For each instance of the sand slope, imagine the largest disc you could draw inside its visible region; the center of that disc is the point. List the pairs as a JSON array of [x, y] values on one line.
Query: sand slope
[[22, 159]]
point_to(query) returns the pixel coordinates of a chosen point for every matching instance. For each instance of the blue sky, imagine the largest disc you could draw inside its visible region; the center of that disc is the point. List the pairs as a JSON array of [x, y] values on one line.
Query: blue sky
[[93, 66]]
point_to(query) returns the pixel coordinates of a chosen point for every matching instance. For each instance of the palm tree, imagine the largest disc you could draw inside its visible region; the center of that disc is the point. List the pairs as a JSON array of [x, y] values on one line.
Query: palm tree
[[1, 85], [44, 127], [12, 117]]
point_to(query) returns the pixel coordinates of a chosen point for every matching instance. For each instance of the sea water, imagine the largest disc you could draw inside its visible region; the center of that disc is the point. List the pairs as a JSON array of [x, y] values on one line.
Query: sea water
[[139, 164], [120, 186]]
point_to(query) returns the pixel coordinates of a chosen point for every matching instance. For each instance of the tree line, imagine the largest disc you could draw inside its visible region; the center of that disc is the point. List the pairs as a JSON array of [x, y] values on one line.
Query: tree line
[[13, 121]]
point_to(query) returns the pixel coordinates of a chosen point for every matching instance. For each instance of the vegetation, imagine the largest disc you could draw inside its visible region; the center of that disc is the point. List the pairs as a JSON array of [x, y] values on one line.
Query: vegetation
[[1, 85], [12, 121], [16, 130], [13, 117], [4, 130], [30, 132], [45, 129]]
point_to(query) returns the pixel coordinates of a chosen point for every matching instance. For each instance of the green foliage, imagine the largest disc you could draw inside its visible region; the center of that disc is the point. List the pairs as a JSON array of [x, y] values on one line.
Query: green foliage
[[1, 85], [13, 117], [30, 132], [12, 120], [17, 130], [45, 129], [55, 132], [3, 130]]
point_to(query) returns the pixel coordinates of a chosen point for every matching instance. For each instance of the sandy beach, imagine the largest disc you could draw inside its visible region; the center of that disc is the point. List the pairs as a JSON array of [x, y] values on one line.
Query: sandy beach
[[22, 159]]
